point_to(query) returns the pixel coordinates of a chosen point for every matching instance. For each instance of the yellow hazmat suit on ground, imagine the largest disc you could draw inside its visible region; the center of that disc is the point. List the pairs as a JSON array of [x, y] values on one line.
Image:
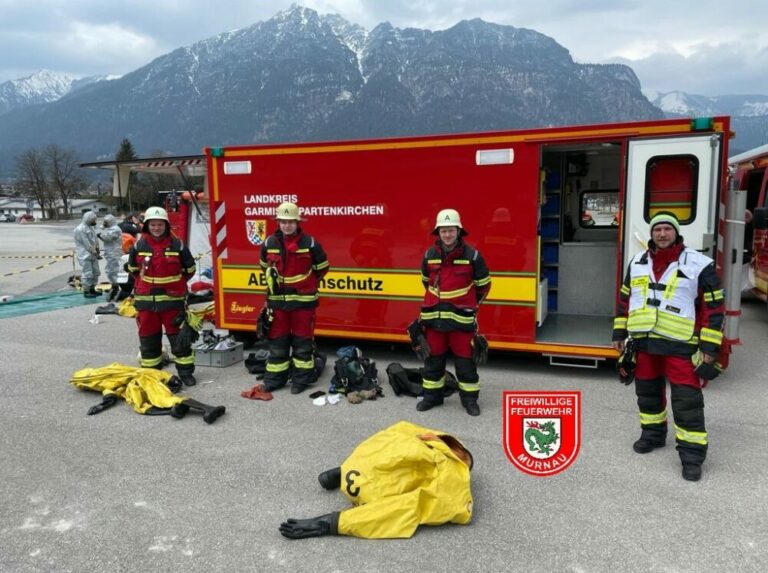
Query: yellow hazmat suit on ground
[[142, 388], [398, 479], [147, 390]]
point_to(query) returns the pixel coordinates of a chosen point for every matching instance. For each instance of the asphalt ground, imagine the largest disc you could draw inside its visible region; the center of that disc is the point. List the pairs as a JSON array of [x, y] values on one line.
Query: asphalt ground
[[125, 492]]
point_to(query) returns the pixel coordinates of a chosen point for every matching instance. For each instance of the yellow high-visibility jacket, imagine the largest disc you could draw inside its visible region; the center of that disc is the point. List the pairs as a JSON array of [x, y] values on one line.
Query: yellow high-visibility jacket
[[142, 388], [398, 480]]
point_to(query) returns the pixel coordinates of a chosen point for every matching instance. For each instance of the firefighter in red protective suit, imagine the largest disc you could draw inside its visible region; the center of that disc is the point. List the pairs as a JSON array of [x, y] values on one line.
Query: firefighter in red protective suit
[[399, 478], [671, 306], [161, 265], [456, 280], [294, 263]]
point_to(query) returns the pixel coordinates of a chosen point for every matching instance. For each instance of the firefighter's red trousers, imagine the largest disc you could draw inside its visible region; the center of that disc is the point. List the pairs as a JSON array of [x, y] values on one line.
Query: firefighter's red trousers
[[291, 329]]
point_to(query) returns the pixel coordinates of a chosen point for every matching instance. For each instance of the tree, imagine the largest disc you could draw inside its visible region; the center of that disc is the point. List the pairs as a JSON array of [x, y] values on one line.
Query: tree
[[63, 173], [31, 176], [126, 152]]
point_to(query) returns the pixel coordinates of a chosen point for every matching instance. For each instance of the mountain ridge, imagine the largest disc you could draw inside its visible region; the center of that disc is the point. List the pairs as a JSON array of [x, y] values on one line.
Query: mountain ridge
[[302, 76]]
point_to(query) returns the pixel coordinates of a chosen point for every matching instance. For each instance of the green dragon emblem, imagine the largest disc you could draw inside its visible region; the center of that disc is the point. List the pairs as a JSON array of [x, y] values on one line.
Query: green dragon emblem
[[540, 437]]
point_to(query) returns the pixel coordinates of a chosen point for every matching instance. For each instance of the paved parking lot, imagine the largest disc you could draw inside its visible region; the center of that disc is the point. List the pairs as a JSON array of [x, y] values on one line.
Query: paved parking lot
[[124, 492]]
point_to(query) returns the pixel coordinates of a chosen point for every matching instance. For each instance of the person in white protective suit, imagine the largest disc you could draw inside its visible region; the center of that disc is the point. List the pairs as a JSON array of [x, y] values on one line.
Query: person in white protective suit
[[87, 253], [113, 250]]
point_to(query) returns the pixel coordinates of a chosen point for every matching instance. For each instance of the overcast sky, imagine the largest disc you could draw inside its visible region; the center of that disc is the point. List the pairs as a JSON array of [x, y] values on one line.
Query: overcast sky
[[709, 47]]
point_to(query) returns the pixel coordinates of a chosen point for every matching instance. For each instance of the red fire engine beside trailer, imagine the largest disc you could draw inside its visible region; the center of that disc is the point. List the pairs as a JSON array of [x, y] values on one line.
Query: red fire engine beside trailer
[[557, 213], [750, 173]]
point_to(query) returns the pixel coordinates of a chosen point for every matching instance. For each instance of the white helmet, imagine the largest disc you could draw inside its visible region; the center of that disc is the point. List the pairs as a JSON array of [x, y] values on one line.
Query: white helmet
[[156, 213], [288, 212], [448, 218]]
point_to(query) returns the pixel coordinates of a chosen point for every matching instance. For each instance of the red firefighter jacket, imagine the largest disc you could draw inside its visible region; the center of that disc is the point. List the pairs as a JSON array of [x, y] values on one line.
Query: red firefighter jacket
[[456, 283], [293, 267], [162, 267]]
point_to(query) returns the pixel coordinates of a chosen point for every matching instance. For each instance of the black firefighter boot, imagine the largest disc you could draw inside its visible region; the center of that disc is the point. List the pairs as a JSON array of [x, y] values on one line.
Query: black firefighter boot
[[210, 413], [330, 479], [692, 457], [469, 401], [691, 472], [431, 399], [90, 292], [650, 439], [185, 372]]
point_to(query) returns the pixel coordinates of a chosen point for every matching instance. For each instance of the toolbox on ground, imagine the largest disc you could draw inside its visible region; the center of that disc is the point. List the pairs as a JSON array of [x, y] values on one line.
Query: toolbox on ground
[[219, 358]]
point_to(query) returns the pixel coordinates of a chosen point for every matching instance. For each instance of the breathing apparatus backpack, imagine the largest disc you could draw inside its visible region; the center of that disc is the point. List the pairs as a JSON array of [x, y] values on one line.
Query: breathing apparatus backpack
[[352, 372]]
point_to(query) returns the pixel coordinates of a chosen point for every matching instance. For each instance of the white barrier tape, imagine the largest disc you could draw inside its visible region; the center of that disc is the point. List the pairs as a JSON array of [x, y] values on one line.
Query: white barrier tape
[[35, 256], [30, 270]]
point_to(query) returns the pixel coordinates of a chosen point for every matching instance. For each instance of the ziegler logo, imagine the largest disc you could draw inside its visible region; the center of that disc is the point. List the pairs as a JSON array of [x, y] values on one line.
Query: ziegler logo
[[236, 308], [541, 430]]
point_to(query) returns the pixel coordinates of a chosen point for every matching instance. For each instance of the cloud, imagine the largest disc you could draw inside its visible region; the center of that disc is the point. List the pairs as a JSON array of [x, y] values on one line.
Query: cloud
[[692, 45], [106, 45], [81, 48], [722, 69]]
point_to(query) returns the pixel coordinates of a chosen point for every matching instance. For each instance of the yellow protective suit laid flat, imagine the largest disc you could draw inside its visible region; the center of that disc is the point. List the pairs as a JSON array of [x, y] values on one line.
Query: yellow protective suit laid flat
[[400, 478], [142, 388]]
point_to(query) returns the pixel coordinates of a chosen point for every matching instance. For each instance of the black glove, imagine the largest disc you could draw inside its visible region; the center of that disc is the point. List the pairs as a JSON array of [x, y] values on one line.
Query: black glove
[[186, 336], [708, 371], [108, 401], [626, 363], [419, 342], [179, 319], [314, 527], [264, 323], [174, 384], [479, 349], [98, 235]]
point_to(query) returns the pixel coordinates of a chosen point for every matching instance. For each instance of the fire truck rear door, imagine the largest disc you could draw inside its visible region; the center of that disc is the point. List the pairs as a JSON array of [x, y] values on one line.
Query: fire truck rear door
[[678, 174]]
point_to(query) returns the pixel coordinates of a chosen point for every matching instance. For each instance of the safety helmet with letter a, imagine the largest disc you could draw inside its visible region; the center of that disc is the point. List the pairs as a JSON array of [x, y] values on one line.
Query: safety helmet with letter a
[[449, 218], [288, 212], [156, 213]]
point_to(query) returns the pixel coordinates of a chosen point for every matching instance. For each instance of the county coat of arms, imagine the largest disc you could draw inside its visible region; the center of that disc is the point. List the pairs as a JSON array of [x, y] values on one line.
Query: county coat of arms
[[256, 230]]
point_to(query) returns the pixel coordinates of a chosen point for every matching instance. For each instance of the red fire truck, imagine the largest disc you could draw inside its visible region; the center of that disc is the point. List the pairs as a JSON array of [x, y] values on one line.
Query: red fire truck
[[557, 213], [750, 173]]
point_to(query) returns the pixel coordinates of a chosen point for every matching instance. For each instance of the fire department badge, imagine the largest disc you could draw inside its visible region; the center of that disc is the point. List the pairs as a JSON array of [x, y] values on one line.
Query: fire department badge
[[542, 430], [256, 231]]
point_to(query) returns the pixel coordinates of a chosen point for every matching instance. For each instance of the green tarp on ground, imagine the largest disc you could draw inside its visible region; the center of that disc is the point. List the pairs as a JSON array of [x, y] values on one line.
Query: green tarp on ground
[[23, 305]]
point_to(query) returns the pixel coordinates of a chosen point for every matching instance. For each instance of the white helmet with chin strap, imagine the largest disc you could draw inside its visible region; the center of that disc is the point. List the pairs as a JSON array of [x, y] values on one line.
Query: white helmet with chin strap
[[156, 213], [448, 218], [288, 212]]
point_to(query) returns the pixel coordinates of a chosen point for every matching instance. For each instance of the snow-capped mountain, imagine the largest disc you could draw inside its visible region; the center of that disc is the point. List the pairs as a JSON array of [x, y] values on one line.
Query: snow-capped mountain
[[302, 76], [41, 87], [749, 113], [684, 104]]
